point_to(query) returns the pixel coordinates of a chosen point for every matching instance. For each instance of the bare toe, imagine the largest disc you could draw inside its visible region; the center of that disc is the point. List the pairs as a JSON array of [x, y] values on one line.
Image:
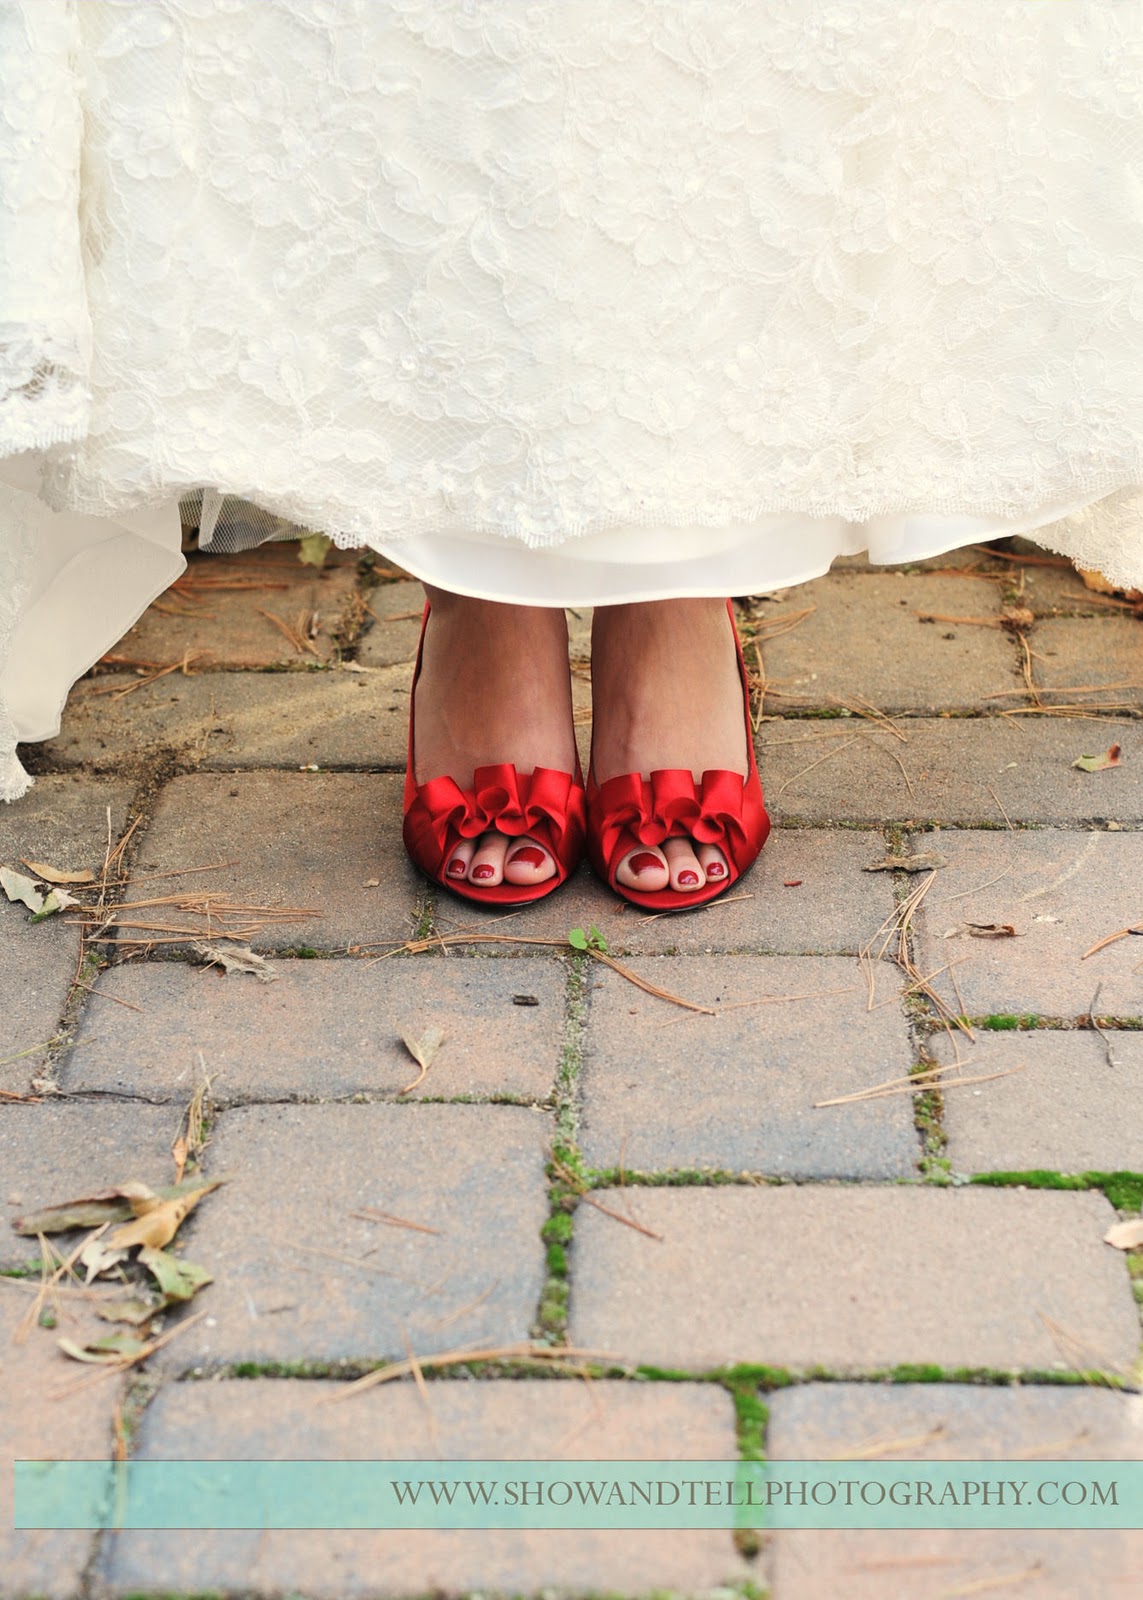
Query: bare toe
[[527, 862], [686, 873], [713, 863], [460, 860], [643, 868], [487, 869]]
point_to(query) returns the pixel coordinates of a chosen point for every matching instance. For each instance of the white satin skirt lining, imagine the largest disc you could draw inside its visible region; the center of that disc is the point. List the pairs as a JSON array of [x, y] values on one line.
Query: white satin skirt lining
[[92, 578]]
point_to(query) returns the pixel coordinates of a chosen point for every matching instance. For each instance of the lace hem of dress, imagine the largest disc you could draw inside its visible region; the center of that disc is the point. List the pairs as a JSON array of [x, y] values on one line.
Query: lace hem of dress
[[45, 399], [1119, 492]]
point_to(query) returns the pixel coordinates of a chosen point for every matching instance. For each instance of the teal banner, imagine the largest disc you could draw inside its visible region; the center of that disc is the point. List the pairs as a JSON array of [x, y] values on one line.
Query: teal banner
[[578, 1494]]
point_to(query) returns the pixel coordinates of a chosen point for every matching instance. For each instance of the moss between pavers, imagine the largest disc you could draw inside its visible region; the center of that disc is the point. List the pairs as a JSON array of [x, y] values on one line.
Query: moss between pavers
[[1123, 1189], [565, 1168]]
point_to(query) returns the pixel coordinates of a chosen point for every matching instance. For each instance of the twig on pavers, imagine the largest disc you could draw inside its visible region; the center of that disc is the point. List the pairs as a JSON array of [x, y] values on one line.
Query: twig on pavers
[[827, 757], [857, 705], [768, 1000], [1004, 1580], [49, 1281], [773, 627], [371, 1214], [1094, 1020], [581, 1191], [182, 666], [220, 914], [422, 1386], [893, 756], [181, 872], [357, 1262], [1089, 713], [295, 635], [621, 1168], [189, 1142], [463, 1311], [416, 947], [806, 738], [960, 1006], [1100, 944], [1071, 1347], [550, 1355], [884, 1447], [113, 1368], [1000, 803], [1020, 560], [763, 683], [102, 994], [920, 983], [978, 890], [596, 1414], [933, 1078], [1070, 688], [24, 1099], [715, 905], [974, 622], [1033, 691], [1054, 1450], [897, 925]]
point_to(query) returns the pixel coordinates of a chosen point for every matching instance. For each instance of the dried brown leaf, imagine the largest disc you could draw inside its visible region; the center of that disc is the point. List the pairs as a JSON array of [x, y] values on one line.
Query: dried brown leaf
[[158, 1225], [1111, 757], [923, 861], [1125, 1235], [55, 875], [423, 1050]]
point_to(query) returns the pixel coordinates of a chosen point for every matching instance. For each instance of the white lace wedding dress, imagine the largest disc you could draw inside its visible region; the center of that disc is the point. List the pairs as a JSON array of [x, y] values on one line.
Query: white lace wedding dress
[[565, 301]]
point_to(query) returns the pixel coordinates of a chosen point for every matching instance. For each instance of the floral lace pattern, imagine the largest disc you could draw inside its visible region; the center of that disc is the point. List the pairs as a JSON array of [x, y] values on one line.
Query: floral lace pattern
[[539, 269]]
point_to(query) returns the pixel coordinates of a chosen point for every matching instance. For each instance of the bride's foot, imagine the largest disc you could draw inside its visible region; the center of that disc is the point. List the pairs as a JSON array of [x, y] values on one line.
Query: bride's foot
[[666, 693], [494, 687]]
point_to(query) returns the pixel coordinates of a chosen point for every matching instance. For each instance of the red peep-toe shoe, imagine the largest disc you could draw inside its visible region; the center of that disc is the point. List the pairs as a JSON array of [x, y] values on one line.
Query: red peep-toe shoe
[[725, 809], [546, 805]]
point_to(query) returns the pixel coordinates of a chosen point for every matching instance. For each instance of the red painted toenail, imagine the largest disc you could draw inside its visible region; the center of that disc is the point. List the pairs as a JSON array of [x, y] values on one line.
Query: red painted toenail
[[484, 872], [688, 877], [531, 855], [457, 868], [716, 870], [645, 862]]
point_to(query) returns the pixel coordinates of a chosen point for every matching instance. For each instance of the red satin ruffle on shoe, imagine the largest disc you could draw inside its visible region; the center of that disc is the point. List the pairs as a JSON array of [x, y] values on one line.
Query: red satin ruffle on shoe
[[724, 809], [547, 805]]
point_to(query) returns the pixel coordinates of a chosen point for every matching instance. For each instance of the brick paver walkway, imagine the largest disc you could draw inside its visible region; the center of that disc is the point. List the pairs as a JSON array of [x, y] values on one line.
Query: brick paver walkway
[[917, 1274]]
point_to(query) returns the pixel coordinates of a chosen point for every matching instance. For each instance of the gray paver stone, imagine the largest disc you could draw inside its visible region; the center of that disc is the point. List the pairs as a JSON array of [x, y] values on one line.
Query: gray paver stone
[[1065, 1108], [35, 1425], [323, 1030], [390, 637], [224, 720], [61, 822], [55, 1151], [806, 893], [208, 615], [1107, 650], [312, 841], [1062, 891], [962, 770], [853, 1278], [947, 1422], [667, 1089], [487, 1420], [298, 1277], [916, 666]]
